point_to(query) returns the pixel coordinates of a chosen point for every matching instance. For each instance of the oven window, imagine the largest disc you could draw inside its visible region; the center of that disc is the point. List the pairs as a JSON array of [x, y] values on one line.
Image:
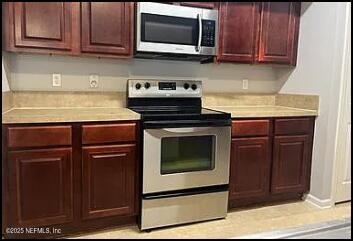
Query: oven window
[[187, 154], [166, 29]]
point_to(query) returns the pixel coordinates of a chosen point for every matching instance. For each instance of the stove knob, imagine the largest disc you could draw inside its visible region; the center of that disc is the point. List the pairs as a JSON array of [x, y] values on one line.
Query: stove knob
[[147, 85], [138, 86], [193, 86], [186, 86]]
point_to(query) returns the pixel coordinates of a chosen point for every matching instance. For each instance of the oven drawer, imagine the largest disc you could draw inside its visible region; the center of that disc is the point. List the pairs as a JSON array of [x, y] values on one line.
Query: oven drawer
[[183, 209], [108, 133]]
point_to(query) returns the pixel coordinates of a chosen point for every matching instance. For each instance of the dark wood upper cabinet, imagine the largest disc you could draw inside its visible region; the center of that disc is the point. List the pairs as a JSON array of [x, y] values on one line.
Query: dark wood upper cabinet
[[264, 32], [290, 163], [238, 31], [108, 181], [41, 187], [107, 28], [279, 32], [39, 25], [250, 168]]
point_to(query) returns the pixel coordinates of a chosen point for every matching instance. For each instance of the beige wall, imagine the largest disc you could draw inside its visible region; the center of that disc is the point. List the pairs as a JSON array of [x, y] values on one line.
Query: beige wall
[[5, 73], [33, 72], [320, 54]]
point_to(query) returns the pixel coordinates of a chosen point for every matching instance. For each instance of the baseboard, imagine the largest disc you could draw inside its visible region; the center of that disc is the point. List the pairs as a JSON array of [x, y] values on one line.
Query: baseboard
[[320, 203]]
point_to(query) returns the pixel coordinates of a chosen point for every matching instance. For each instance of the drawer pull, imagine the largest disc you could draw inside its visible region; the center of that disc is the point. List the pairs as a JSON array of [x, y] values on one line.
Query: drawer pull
[[109, 155]]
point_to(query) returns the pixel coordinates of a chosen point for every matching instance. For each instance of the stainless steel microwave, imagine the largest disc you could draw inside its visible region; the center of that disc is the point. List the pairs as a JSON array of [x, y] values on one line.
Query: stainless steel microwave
[[171, 29]]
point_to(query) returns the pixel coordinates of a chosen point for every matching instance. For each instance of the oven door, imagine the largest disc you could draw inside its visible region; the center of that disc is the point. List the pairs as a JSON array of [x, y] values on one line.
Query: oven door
[[175, 29], [181, 158]]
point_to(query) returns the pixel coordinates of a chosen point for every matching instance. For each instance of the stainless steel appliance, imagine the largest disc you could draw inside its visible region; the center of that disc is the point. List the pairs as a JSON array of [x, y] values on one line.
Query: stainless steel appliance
[[169, 29], [186, 153]]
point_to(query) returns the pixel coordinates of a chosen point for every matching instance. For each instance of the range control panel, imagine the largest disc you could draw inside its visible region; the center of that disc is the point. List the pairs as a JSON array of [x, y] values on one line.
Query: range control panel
[[164, 88]]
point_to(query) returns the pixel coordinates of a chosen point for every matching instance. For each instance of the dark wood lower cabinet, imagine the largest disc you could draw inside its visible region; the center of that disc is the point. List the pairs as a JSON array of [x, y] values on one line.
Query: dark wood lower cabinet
[[108, 181], [67, 185], [250, 164], [290, 163], [41, 187], [276, 165]]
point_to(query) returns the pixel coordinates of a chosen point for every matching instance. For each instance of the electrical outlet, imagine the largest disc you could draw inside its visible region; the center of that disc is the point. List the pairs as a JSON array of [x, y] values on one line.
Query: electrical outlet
[[245, 84], [94, 80], [56, 80]]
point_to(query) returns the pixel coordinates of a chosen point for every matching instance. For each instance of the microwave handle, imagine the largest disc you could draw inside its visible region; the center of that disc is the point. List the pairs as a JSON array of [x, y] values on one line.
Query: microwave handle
[[198, 47]]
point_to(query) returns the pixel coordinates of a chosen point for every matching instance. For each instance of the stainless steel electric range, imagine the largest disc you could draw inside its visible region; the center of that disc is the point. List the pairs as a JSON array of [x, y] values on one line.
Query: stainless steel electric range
[[186, 153]]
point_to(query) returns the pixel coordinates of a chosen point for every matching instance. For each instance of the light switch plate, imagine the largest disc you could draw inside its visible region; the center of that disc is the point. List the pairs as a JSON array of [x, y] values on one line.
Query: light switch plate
[[94, 80], [56, 80]]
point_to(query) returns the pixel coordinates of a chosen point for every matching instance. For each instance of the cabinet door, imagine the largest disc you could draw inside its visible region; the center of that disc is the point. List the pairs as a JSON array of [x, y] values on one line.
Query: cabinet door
[[250, 168], [238, 34], [279, 32], [290, 163], [41, 187], [107, 27], [210, 5], [44, 25], [108, 181]]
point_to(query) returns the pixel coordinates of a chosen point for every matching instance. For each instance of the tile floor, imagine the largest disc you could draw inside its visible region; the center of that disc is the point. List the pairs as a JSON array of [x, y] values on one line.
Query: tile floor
[[241, 221]]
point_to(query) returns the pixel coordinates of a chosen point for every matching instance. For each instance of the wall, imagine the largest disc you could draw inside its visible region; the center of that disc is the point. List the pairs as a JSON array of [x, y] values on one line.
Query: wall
[[5, 72], [320, 54], [33, 72]]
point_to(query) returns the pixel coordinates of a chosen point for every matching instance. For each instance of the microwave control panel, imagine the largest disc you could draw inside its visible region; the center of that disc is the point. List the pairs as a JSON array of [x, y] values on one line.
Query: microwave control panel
[[208, 33]]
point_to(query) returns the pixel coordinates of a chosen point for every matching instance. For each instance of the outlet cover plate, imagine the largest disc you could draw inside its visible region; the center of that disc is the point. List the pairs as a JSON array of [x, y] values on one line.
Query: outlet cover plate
[[94, 80], [56, 80]]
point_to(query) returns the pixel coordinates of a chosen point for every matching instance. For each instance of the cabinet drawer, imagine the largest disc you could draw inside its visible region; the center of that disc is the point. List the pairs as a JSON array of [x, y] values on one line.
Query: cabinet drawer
[[95, 134], [250, 128], [293, 126], [36, 136]]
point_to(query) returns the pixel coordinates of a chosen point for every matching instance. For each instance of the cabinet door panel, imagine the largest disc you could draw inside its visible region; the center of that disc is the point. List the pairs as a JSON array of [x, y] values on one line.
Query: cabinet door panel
[[43, 25], [290, 163], [250, 168], [41, 187], [279, 32], [108, 181], [107, 27], [238, 31]]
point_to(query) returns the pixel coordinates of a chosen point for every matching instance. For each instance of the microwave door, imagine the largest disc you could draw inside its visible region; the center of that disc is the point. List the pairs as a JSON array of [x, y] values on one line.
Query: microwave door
[[178, 30]]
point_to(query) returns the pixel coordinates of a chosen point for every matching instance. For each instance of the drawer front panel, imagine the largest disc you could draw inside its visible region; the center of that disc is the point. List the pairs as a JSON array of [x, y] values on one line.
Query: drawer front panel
[[293, 126], [109, 133], [39, 136], [241, 128]]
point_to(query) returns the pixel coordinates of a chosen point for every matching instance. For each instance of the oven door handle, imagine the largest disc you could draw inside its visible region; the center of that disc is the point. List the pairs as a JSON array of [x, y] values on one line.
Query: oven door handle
[[186, 129]]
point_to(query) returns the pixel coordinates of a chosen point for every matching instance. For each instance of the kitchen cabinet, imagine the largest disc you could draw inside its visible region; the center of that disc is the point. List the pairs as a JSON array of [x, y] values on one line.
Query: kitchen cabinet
[[69, 28], [254, 32], [40, 187], [250, 165], [39, 27], [279, 32], [270, 159], [290, 160], [107, 28], [71, 176], [238, 31], [108, 180]]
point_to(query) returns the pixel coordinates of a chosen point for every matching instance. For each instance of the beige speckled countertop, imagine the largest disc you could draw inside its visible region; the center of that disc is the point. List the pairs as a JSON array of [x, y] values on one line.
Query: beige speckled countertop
[[79, 114], [263, 111]]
